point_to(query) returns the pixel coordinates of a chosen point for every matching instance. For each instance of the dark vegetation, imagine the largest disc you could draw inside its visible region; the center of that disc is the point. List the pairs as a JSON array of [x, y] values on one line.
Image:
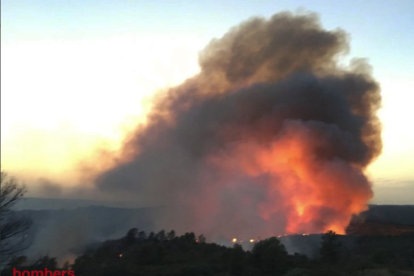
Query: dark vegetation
[[13, 227], [374, 245], [100, 223], [164, 253]]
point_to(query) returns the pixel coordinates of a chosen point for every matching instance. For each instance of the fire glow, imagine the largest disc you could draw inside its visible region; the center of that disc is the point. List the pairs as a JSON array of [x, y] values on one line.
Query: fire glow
[[272, 136]]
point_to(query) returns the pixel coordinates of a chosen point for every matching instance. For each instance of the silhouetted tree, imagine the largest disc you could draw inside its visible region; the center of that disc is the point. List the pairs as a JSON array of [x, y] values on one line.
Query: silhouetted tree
[[189, 237], [330, 247], [13, 239], [201, 239], [237, 260], [171, 235], [131, 236], [142, 235], [270, 256], [161, 235]]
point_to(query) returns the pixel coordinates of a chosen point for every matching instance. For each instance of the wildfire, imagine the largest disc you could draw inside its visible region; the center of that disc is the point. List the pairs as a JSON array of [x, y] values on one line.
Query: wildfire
[[266, 139], [306, 186]]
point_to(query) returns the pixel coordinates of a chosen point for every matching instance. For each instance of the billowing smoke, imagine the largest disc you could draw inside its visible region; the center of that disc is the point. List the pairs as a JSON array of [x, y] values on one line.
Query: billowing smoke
[[271, 137]]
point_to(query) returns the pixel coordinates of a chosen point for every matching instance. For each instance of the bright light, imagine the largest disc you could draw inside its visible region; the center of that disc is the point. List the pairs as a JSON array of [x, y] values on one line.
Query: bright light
[[234, 240], [63, 99]]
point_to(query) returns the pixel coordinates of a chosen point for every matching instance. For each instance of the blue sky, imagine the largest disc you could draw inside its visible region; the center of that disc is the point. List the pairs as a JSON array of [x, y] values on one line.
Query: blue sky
[[379, 29], [42, 37]]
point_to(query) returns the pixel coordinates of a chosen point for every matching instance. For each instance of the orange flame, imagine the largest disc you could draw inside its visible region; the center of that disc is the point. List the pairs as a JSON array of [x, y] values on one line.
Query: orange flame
[[317, 195]]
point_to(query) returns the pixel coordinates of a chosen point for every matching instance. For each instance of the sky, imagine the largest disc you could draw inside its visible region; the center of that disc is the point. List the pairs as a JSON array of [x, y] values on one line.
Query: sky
[[77, 75]]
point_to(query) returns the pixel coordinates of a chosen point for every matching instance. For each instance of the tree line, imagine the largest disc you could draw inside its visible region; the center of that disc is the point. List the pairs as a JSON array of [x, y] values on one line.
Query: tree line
[[165, 253]]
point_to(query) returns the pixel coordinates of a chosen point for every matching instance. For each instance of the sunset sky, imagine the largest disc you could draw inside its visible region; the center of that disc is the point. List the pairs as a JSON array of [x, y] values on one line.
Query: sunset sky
[[77, 75]]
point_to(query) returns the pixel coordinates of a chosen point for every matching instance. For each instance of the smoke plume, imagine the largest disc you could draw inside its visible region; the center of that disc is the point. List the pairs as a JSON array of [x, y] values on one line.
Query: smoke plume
[[271, 137]]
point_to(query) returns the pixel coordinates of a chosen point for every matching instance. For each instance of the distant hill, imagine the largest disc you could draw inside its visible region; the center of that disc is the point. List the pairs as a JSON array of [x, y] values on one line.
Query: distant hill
[[403, 214], [68, 226], [66, 231], [383, 220]]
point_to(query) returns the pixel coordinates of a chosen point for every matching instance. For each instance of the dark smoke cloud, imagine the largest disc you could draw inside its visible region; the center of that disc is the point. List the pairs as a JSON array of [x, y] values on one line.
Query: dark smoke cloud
[[263, 86]]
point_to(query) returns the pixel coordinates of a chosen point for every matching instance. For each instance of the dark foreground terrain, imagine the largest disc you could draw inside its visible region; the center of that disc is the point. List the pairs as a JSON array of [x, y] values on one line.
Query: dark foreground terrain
[[139, 253], [378, 242]]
